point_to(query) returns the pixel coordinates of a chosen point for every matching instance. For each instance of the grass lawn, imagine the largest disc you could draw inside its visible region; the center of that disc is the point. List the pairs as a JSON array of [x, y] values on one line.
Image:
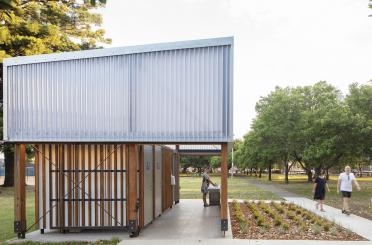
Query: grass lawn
[[7, 211], [238, 188], [361, 202]]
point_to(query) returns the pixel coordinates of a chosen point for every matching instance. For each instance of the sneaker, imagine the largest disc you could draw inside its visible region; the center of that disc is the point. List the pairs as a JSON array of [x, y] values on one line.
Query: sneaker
[[343, 211], [347, 213], [206, 205], [322, 210]]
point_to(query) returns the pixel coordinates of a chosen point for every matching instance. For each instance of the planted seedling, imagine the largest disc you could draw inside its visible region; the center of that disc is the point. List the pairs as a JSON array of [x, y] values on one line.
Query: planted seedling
[[277, 222], [326, 227], [285, 226], [290, 215], [316, 229]]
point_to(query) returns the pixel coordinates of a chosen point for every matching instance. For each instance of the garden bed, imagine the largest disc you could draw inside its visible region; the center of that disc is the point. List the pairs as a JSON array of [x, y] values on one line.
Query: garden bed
[[283, 221]]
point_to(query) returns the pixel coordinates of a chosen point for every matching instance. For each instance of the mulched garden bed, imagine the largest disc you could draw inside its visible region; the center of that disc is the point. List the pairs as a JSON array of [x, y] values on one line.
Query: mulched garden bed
[[283, 221]]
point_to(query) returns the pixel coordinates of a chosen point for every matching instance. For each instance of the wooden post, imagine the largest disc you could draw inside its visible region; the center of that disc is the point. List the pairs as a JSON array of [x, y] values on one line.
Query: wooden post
[[224, 158], [132, 190], [153, 181], [37, 182], [19, 190], [141, 187], [177, 175]]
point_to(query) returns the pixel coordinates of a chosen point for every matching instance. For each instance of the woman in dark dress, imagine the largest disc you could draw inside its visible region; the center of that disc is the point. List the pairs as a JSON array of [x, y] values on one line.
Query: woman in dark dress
[[319, 190]]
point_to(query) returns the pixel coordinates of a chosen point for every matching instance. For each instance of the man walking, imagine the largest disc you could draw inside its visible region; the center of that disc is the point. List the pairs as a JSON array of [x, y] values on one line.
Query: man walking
[[345, 185]]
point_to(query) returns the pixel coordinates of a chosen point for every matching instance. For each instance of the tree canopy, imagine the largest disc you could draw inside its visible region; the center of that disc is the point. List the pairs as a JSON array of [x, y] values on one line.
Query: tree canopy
[[30, 27], [314, 126]]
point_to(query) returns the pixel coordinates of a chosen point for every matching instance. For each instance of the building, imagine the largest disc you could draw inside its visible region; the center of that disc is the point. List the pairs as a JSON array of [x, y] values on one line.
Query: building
[[100, 121]]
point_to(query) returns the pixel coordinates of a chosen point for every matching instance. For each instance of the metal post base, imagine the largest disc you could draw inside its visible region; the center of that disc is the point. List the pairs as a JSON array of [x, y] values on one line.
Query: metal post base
[[19, 229], [133, 228], [224, 225]]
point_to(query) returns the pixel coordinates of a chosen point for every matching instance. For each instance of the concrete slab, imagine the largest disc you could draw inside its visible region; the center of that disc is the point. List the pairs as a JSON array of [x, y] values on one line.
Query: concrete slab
[[85, 236], [186, 220]]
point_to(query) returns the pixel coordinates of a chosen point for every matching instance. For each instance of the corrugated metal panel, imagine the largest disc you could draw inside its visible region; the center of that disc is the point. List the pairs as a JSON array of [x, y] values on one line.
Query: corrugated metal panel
[[179, 95]]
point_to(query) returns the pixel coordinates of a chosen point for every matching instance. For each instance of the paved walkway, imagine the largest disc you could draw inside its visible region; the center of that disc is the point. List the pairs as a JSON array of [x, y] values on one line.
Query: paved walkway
[[357, 224], [186, 220]]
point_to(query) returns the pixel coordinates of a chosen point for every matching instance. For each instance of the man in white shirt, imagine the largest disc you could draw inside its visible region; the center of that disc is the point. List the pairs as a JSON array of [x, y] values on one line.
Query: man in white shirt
[[345, 185]]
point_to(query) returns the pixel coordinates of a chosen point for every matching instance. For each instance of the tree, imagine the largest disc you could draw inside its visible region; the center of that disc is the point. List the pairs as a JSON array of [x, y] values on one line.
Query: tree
[[195, 162], [31, 27], [277, 115], [359, 103]]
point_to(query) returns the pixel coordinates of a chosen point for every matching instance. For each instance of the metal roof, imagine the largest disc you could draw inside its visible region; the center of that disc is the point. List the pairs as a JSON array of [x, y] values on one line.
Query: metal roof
[[168, 92]]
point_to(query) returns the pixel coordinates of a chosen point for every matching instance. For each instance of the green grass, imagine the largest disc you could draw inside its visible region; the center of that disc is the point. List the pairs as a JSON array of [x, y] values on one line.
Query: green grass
[[7, 211], [238, 188], [361, 202]]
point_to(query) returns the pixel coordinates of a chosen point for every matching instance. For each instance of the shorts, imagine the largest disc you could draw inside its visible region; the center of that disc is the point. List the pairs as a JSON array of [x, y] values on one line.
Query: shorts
[[346, 194]]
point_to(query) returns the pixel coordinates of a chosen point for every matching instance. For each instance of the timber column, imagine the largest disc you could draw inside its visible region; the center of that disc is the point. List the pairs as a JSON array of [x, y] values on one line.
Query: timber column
[[19, 190], [133, 204], [224, 221]]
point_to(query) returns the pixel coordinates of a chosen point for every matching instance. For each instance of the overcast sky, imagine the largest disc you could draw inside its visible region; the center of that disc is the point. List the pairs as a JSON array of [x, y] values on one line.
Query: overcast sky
[[284, 43]]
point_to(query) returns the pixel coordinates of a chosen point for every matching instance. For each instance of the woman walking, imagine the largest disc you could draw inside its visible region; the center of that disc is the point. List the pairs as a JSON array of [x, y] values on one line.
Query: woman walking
[[319, 190]]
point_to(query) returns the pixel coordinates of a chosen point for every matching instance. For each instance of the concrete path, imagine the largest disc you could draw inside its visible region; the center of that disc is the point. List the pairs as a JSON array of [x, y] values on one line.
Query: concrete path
[[86, 236], [186, 220], [357, 224]]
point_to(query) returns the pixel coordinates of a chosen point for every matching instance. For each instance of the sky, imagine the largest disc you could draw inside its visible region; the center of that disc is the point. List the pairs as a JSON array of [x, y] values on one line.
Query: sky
[[276, 43]]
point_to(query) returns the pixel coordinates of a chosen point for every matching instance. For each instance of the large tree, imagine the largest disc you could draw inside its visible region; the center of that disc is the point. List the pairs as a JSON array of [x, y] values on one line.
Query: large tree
[[328, 128], [314, 126], [359, 103], [30, 27]]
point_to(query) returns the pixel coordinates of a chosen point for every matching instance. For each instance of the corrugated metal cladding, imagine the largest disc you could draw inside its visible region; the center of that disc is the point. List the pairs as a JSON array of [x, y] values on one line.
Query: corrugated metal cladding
[[175, 94]]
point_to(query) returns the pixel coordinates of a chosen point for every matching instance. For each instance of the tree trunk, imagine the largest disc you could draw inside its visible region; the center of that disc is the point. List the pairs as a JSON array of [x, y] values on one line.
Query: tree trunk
[[327, 175], [9, 168], [286, 170], [260, 173], [269, 171], [360, 171], [309, 175]]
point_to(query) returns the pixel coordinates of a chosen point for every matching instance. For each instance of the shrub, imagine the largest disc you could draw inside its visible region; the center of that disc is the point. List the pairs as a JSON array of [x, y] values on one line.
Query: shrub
[[278, 207], [243, 223], [277, 222], [285, 226], [243, 227], [290, 215], [297, 219], [317, 229], [292, 207], [326, 227], [318, 222], [333, 231]]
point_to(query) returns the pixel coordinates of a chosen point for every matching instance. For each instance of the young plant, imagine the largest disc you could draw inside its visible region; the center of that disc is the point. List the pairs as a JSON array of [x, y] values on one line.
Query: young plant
[[326, 227], [290, 215], [317, 229], [285, 226]]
